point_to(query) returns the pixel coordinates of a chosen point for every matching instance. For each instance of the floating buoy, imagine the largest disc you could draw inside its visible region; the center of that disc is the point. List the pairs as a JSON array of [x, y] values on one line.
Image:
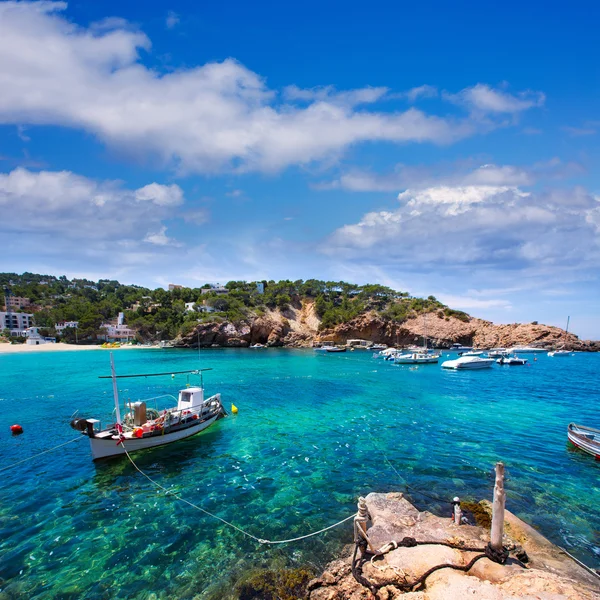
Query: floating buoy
[[138, 432], [172, 376], [234, 409], [16, 429]]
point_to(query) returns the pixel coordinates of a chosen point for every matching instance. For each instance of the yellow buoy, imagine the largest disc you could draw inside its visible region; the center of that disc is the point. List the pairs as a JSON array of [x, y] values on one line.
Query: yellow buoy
[[234, 409]]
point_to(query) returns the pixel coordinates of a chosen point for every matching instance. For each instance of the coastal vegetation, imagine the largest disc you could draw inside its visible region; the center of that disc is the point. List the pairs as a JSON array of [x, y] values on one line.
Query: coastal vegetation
[[162, 315]]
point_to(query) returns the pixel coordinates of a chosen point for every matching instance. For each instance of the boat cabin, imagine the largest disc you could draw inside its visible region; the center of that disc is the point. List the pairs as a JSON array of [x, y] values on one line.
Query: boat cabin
[[190, 398]]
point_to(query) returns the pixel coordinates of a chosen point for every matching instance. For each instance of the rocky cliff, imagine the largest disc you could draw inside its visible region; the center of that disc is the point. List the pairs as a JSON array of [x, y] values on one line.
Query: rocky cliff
[[298, 326]]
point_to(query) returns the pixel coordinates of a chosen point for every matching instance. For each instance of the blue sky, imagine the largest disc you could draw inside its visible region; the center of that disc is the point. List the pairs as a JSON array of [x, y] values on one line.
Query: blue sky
[[446, 150]]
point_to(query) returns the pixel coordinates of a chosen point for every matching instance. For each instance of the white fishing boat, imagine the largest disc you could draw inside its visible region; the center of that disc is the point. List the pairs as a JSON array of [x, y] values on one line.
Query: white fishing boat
[[416, 358], [468, 362], [585, 438], [511, 360], [146, 427], [562, 353]]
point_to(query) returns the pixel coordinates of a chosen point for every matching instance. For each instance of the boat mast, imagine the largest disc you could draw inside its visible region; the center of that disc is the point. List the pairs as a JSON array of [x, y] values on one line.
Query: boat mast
[[115, 392]]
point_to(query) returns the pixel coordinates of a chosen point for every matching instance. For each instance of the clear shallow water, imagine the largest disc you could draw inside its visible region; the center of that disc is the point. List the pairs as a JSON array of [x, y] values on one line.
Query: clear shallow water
[[312, 434]]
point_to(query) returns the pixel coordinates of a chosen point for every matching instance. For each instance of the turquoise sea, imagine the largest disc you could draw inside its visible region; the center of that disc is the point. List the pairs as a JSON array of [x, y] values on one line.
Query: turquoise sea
[[313, 433]]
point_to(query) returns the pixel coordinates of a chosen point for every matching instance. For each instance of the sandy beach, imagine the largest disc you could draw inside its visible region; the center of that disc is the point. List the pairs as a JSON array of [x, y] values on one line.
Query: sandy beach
[[60, 347]]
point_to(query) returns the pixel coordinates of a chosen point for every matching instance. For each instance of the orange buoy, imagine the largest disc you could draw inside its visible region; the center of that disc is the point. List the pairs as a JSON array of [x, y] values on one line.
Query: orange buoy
[[138, 432], [16, 429]]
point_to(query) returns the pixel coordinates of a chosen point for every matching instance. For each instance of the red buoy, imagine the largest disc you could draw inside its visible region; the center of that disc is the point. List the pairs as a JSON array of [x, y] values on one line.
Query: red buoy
[[16, 429]]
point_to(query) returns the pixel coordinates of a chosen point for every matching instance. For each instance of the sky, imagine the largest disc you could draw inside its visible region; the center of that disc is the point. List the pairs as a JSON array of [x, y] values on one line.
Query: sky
[[450, 149]]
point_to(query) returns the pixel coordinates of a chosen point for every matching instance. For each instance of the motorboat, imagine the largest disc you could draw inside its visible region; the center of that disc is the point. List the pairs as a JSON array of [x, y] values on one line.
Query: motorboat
[[468, 362], [460, 348], [416, 358], [146, 427], [471, 353], [379, 347], [257, 346], [585, 438], [324, 346], [511, 360], [527, 350], [497, 352], [335, 349], [386, 354]]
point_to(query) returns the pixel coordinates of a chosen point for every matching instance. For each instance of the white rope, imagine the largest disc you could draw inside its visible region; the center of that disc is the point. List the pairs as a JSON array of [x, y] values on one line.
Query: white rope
[[36, 455], [259, 540]]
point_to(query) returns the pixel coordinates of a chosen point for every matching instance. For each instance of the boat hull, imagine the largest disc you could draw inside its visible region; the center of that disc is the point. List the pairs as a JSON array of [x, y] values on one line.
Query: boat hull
[[585, 439], [416, 361], [457, 365], [109, 447]]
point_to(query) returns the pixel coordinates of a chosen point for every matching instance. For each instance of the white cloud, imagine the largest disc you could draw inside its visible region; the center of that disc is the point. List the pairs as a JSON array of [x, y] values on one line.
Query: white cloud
[[485, 99], [159, 238], [450, 227], [162, 195], [172, 19], [69, 206], [468, 302], [423, 91], [580, 131], [219, 116]]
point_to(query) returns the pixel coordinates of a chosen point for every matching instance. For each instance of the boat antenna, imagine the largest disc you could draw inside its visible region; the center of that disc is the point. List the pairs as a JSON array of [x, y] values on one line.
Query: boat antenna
[[115, 392], [201, 377]]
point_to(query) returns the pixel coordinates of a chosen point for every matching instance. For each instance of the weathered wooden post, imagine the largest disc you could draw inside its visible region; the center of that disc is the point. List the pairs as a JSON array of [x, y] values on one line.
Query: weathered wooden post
[[498, 509], [457, 511], [360, 522]]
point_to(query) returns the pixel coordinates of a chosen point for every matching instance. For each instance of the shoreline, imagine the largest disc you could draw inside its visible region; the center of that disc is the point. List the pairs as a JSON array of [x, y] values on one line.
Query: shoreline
[[61, 347]]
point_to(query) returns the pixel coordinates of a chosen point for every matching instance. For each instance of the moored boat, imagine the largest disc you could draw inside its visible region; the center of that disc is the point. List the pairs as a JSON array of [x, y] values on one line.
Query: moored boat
[[468, 362], [561, 353], [527, 350], [335, 349], [585, 438], [497, 352], [460, 348], [511, 360], [145, 427], [416, 358]]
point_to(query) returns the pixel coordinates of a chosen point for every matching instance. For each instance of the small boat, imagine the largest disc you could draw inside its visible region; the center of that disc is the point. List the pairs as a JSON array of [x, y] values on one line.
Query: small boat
[[378, 347], [585, 438], [460, 348], [468, 362], [258, 346], [511, 360], [497, 352], [324, 346], [471, 353], [335, 349], [563, 352], [144, 427], [386, 354], [416, 358]]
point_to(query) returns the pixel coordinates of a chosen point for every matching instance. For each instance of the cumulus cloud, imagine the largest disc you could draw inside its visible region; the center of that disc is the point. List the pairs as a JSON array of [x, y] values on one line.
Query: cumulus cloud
[[172, 19], [499, 226], [423, 91], [419, 177], [485, 99], [215, 117], [69, 206]]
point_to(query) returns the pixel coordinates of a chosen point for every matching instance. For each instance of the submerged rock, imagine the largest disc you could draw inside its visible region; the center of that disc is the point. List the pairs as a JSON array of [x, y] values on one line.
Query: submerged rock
[[268, 584]]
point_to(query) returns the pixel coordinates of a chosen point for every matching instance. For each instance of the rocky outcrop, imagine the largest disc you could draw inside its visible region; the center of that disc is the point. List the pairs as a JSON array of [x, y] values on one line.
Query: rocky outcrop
[[298, 326], [547, 573]]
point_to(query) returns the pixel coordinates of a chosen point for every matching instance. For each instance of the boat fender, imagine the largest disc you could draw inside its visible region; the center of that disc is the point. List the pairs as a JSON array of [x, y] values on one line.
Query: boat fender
[[138, 432], [16, 429], [194, 417]]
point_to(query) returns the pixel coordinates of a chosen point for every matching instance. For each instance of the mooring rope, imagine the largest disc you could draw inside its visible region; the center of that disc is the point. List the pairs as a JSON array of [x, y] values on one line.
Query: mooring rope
[[39, 454], [257, 539]]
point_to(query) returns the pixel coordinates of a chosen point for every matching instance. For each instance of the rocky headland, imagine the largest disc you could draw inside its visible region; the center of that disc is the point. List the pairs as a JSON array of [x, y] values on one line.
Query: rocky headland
[[300, 326], [535, 569]]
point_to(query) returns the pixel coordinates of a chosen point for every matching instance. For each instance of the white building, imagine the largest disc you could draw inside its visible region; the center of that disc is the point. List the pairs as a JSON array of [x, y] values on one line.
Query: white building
[[35, 338], [216, 289], [60, 327], [16, 322], [117, 331]]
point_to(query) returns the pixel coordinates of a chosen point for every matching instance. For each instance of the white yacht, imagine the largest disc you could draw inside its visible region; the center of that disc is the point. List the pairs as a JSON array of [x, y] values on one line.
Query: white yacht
[[416, 355], [563, 352], [497, 352], [460, 348], [468, 362]]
